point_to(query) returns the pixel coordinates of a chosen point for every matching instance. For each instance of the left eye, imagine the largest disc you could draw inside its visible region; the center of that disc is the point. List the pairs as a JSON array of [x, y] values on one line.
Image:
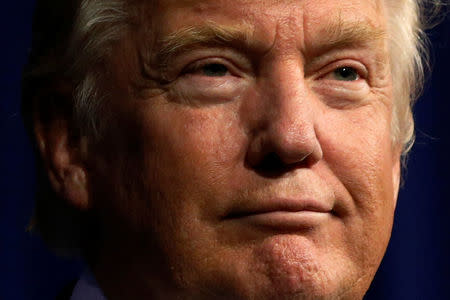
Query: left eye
[[213, 70], [345, 74]]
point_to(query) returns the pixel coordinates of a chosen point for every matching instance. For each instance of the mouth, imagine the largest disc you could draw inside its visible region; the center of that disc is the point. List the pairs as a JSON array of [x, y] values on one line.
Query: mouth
[[282, 214]]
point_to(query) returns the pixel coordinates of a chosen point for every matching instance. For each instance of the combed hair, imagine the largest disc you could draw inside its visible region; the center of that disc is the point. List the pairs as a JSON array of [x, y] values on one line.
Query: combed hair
[[408, 46], [86, 31], [73, 38]]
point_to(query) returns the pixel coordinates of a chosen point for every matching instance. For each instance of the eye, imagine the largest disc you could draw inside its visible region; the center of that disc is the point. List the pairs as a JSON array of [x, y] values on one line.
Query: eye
[[214, 70], [209, 70], [345, 74]]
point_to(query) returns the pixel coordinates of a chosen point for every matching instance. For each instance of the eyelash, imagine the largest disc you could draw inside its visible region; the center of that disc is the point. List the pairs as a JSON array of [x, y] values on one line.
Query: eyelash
[[362, 72], [197, 66], [360, 69]]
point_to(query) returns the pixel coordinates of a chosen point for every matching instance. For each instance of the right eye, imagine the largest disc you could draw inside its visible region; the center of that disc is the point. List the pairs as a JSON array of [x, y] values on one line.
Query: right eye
[[210, 80], [211, 70]]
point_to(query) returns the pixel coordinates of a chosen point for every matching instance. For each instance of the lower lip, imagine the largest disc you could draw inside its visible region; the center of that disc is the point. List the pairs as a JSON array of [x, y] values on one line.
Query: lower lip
[[281, 220]]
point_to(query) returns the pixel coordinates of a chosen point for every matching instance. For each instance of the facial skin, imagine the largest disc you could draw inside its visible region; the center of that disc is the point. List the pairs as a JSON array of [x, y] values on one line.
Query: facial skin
[[247, 169]]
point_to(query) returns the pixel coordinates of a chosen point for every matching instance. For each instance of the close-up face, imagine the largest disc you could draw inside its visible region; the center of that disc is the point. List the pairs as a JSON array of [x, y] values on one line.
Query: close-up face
[[248, 152]]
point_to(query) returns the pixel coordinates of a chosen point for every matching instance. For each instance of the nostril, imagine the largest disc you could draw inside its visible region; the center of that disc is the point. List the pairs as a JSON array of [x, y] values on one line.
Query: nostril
[[270, 161], [271, 165]]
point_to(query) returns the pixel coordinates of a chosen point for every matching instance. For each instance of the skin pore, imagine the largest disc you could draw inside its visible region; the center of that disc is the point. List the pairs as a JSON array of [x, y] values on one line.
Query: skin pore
[[248, 152]]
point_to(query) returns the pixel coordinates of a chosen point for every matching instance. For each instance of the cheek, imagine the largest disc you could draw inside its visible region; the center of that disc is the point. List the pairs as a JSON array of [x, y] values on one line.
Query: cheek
[[359, 159], [192, 153], [197, 141], [166, 149], [357, 147]]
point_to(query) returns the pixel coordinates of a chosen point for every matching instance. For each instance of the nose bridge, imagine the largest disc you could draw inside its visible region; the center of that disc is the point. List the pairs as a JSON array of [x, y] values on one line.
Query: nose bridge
[[288, 97], [290, 114]]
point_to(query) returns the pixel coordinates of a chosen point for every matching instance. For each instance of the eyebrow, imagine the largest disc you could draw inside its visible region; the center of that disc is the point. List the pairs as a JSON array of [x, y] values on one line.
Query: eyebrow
[[209, 34], [342, 34], [337, 34]]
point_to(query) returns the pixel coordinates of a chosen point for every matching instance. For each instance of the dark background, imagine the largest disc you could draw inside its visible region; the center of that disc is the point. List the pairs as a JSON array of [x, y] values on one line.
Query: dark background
[[417, 263]]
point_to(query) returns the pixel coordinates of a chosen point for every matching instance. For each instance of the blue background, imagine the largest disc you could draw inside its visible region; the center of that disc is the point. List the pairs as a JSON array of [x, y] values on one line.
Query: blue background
[[417, 262]]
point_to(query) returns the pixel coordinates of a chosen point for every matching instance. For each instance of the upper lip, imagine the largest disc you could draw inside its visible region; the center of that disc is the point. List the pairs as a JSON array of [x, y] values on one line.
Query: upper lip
[[279, 205]]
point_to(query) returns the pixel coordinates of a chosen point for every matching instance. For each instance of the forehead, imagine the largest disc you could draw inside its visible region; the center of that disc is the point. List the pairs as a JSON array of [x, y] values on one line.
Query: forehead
[[263, 14], [302, 24]]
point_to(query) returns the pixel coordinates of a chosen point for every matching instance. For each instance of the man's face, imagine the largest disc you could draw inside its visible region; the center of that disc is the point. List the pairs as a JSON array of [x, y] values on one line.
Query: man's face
[[256, 159]]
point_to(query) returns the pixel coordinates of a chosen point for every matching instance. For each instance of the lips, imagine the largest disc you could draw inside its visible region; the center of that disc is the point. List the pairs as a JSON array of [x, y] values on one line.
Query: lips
[[279, 205], [282, 213]]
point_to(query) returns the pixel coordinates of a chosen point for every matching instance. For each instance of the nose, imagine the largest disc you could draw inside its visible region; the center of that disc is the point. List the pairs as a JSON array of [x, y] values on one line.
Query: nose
[[284, 135]]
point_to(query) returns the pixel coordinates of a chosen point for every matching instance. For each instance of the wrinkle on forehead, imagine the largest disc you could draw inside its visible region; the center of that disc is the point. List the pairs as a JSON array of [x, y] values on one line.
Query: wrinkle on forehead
[[302, 13], [300, 20], [340, 26]]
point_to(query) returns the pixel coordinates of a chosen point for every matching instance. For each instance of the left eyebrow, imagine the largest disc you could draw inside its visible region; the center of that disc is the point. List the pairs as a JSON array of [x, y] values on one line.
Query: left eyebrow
[[338, 34], [209, 34]]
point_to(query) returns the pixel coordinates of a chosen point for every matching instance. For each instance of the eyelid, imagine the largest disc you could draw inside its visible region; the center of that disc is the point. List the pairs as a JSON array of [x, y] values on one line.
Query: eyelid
[[360, 68], [237, 63], [198, 64]]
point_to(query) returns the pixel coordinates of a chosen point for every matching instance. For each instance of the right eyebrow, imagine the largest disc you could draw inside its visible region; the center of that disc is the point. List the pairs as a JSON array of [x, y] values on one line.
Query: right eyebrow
[[209, 34]]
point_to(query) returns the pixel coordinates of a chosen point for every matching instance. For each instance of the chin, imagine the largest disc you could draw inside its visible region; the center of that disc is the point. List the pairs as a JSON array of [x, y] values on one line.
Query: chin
[[289, 267], [298, 269], [291, 287], [320, 285]]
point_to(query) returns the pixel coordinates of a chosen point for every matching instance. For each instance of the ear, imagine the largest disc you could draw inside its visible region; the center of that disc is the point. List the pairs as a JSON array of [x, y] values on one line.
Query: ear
[[63, 158]]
